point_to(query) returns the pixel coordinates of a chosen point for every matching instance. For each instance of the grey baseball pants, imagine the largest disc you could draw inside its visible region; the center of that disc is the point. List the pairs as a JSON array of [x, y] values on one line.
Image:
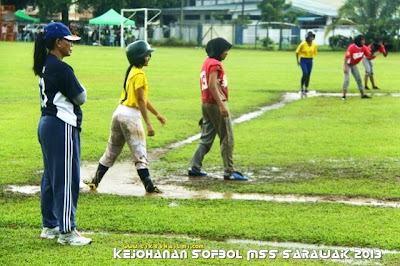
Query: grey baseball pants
[[356, 74], [368, 66], [214, 124]]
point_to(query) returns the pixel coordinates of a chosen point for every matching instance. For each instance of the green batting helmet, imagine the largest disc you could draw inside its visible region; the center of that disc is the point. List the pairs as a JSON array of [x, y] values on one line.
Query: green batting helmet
[[136, 51]]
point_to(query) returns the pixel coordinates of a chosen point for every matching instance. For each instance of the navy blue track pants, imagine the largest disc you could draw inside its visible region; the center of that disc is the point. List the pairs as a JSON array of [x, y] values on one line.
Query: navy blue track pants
[[60, 143]]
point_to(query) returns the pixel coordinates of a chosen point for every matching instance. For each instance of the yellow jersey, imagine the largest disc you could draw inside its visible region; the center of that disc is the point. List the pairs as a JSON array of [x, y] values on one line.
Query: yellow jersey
[[307, 51], [136, 79]]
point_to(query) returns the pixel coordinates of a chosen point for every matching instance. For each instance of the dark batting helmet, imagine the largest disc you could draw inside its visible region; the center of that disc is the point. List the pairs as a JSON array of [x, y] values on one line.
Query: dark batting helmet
[[136, 51], [309, 34], [359, 39], [375, 47]]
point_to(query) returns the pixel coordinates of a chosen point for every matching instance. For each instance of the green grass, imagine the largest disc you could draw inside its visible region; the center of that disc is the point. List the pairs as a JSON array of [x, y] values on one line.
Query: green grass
[[316, 146], [258, 220], [307, 223], [332, 148]]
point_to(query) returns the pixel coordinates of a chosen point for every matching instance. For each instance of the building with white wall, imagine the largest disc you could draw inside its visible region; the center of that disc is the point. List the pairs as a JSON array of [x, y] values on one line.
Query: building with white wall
[[317, 15]]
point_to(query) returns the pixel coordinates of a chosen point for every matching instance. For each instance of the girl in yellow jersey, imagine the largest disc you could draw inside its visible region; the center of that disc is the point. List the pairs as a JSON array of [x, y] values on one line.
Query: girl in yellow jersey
[[306, 51], [126, 124]]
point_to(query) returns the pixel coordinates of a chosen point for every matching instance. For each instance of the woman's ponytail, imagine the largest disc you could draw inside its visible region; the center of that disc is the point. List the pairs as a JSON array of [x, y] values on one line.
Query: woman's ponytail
[[39, 54], [126, 75]]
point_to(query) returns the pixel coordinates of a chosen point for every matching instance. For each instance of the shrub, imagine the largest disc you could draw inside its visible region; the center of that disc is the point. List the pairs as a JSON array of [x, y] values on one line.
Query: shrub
[[339, 41], [174, 42], [268, 43]]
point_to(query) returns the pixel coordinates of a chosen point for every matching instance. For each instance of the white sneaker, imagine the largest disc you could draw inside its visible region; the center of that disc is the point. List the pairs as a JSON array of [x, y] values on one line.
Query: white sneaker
[[73, 238], [49, 233]]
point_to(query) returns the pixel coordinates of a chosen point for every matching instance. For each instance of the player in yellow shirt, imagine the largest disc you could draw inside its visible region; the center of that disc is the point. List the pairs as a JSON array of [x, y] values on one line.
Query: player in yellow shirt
[[138, 80], [126, 124], [306, 51]]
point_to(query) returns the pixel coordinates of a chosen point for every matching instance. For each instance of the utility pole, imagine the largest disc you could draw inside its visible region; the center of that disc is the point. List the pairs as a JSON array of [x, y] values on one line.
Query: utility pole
[[243, 9], [181, 21]]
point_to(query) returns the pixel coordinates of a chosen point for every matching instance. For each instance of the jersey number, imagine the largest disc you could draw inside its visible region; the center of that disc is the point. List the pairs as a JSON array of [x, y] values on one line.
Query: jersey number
[[43, 96], [203, 80]]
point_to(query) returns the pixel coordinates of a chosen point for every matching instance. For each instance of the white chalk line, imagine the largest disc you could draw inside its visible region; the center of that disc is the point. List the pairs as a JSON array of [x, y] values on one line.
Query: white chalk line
[[287, 98]]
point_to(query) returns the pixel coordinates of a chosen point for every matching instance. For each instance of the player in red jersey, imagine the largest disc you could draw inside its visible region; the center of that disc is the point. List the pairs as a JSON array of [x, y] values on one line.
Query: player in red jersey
[[216, 118], [376, 48], [354, 54]]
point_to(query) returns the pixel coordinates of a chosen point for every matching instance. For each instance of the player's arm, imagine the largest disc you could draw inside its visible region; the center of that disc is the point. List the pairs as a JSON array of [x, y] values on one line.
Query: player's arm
[[154, 111], [215, 93], [367, 51], [80, 98], [297, 54], [139, 93], [347, 57], [383, 50], [345, 66], [72, 89]]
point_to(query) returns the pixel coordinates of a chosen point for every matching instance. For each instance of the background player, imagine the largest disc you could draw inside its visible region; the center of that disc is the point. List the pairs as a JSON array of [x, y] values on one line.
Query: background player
[[354, 54], [306, 51], [126, 124], [59, 134], [376, 47]]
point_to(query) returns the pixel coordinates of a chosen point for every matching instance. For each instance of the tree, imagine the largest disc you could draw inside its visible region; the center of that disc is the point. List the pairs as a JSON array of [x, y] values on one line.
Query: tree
[[277, 11], [338, 22], [50, 7], [376, 18], [19, 4], [101, 6]]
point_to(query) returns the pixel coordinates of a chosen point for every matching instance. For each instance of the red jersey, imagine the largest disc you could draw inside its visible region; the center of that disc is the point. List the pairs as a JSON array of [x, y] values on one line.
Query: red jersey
[[354, 54], [210, 65], [381, 50]]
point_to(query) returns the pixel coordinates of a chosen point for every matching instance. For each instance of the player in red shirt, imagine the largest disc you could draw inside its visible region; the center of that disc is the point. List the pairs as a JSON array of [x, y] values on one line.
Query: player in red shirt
[[354, 54], [216, 118], [376, 48]]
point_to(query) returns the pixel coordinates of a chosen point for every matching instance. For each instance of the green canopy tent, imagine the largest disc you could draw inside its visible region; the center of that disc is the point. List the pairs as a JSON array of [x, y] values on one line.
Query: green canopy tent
[[22, 17], [111, 17]]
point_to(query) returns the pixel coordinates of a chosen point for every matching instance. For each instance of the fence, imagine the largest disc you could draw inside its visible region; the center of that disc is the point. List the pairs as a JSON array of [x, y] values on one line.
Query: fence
[[199, 34], [250, 34]]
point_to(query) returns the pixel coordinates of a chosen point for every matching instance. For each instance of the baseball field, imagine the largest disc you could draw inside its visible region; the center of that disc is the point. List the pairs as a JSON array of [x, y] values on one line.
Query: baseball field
[[325, 173]]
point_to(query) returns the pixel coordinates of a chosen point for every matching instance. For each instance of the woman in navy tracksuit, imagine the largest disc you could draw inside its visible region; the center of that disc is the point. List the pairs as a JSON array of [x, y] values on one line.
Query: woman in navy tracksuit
[[59, 134]]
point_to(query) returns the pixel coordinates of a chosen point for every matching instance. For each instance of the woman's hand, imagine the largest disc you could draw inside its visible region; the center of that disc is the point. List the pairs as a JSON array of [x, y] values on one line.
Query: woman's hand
[[150, 130], [162, 119]]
